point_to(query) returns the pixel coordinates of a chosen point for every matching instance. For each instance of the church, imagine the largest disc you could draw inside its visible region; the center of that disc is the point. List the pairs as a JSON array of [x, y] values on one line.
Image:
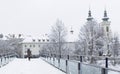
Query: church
[[105, 25]]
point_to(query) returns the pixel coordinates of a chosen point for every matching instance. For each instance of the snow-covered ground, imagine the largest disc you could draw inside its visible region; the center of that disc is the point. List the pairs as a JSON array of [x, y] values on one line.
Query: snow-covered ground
[[23, 66]]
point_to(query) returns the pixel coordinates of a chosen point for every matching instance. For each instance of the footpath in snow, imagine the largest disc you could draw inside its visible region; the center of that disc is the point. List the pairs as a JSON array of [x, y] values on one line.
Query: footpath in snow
[[23, 66]]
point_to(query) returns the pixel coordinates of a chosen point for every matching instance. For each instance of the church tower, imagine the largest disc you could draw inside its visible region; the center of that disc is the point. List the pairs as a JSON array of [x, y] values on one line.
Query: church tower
[[107, 32], [106, 25]]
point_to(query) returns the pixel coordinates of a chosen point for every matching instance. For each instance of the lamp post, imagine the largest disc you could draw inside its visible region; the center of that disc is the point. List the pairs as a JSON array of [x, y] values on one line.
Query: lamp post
[[71, 35], [59, 47]]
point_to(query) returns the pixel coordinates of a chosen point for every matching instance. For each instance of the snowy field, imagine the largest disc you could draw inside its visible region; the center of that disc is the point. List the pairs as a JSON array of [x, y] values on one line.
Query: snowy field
[[23, 66]]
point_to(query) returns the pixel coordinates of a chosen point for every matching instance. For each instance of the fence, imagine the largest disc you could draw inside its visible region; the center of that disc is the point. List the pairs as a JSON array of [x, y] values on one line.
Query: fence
[[5, 59], [70, 66]]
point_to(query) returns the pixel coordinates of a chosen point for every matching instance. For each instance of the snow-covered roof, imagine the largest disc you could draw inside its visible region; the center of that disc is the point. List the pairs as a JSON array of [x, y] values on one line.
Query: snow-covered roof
[[35, 39]]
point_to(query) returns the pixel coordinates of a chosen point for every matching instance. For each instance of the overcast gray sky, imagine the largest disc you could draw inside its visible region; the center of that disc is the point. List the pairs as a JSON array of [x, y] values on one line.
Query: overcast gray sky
[[35, 17]]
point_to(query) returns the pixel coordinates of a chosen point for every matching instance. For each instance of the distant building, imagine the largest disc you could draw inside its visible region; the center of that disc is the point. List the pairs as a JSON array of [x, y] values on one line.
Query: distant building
[[35, 45]]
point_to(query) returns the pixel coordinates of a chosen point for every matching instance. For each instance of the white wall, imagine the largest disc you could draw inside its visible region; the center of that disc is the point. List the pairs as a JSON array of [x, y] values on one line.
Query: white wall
[[34, 47]]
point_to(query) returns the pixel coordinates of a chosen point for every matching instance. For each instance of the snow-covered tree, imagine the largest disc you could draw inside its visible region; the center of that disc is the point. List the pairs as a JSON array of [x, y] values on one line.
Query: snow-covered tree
[[115, 49], [57, 36], [89, 36], [14, 44], [115, 46]]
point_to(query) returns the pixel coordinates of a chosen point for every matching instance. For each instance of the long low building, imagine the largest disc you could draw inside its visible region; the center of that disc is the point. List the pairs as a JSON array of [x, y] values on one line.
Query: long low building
[[34, 45]]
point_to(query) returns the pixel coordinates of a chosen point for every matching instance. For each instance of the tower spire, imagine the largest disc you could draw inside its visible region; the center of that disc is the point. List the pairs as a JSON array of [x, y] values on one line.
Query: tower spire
[[105, 13], [105, 18], [89, 15]]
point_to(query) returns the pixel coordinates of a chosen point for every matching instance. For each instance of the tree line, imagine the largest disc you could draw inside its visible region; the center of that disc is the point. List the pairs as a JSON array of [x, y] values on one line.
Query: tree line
[[92, 41], [10, 45]]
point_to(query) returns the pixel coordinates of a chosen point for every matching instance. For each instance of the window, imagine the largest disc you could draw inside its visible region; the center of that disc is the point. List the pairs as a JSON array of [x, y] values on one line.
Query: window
[[25, 45], [47, 40], [107, 46], [30, 45], [43, 40], [33, 40], [38, 45], [107, 29], [39, 40], [33, 45]]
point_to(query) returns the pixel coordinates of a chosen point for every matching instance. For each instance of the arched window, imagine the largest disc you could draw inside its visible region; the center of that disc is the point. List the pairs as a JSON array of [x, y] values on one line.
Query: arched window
[[107, 29]]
